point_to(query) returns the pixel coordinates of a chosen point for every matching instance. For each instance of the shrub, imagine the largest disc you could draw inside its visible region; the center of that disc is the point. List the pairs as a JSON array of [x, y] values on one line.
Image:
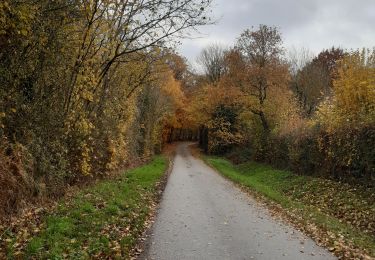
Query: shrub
[[15, 183]]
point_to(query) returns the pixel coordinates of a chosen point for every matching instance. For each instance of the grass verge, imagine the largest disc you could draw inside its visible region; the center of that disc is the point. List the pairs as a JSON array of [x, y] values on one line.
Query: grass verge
[[334, 214], [100, 222]]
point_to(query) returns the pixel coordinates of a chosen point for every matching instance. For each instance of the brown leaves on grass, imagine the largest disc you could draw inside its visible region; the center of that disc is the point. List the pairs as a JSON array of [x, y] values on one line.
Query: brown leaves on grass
[[99, 222], [337, 244], [16, 232], [351, 204]]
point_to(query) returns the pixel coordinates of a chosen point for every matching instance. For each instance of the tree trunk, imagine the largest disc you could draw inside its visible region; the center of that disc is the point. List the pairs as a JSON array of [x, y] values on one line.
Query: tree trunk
[[264, 122], [203, 138]]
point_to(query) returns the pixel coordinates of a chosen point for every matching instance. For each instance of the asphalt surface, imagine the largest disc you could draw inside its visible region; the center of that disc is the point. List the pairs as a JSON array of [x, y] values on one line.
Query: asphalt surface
[[204, 216]]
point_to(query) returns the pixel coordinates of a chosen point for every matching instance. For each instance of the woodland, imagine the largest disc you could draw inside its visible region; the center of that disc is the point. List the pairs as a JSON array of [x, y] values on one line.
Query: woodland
[[90, 87]]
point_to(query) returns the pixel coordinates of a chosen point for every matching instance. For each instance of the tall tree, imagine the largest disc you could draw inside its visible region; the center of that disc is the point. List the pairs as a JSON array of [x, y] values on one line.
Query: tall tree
[[212, 61], [313, 82], [71, 75], [261, 51]]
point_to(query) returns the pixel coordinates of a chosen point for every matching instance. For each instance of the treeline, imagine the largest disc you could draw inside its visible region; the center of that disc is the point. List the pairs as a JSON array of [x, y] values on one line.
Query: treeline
[[311, 114], [86, 87]]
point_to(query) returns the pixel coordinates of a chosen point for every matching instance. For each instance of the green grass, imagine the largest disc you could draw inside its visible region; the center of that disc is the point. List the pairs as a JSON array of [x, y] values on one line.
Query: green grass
[[101, 221], [342, 212]]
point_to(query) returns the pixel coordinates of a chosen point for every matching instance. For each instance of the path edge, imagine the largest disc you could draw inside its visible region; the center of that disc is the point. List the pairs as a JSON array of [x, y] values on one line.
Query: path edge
[[141, 249]]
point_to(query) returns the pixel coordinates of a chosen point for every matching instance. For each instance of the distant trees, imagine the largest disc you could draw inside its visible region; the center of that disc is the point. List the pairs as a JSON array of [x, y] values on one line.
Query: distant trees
[[313, 114], [212, 61], [348, 117], [313, 82], [215, 110], [89, 86], [353, 103]]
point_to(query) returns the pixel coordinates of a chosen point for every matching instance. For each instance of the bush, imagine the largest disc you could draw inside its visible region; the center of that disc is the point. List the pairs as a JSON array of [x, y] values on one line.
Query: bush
[[346, 153], [349, 153], [15, 183]]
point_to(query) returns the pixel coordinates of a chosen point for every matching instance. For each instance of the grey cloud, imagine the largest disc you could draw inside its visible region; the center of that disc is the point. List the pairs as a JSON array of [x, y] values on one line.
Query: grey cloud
[[315, 24]]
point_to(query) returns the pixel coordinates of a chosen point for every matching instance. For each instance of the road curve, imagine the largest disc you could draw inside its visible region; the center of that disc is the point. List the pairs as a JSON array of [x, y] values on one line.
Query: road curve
[[204, 216]]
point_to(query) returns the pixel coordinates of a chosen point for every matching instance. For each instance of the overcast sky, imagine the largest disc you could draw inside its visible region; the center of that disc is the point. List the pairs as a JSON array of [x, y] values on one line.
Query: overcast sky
[[314, 24]]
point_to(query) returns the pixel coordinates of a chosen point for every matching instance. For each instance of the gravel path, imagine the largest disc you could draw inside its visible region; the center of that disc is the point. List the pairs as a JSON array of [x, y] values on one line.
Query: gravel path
[[204, 216]]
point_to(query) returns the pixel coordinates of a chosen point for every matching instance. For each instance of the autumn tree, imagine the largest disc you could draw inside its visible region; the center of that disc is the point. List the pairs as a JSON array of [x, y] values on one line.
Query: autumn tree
[[72, 77], [348, 118], [329, 59], [212, 60], [260, 50], [313, 82], [354, 98], [311, 85], [298, 59], [215, 110]]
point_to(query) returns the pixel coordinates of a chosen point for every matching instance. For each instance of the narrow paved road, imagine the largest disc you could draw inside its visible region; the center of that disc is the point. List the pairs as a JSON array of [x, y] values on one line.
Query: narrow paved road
[[204, 216]]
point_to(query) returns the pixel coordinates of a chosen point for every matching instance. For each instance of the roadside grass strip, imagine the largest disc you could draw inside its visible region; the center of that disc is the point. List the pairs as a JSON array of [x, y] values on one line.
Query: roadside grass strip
[[102, 221]]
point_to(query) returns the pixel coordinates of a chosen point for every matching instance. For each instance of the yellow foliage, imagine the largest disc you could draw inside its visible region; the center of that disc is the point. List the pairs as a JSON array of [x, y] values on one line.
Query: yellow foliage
[[208, 98], [85, 166], [87, 95], [353, 101], [172, 88], [355, 85], [84, 126], [15, 19]]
